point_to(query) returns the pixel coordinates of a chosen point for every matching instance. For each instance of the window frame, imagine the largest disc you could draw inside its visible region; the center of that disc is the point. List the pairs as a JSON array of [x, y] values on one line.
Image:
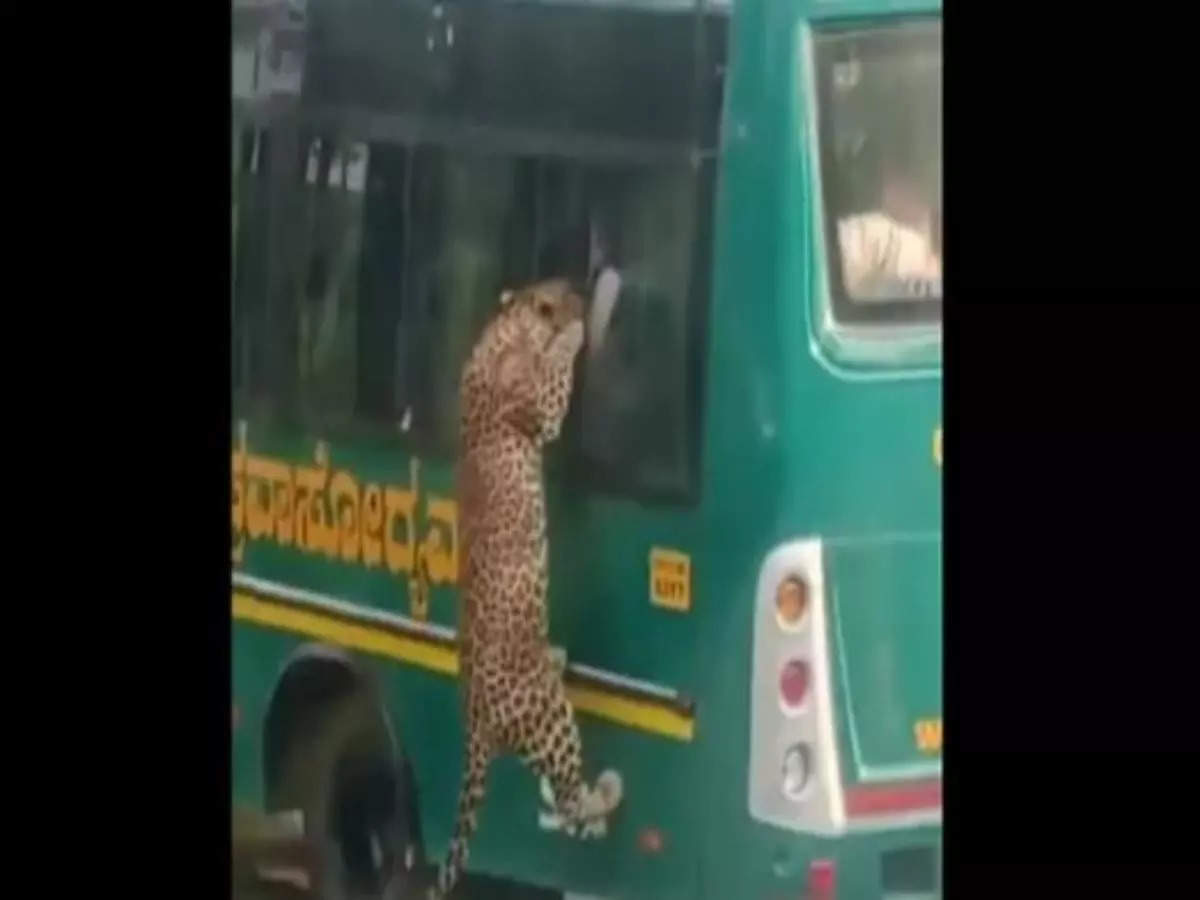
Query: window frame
[[846, 312]]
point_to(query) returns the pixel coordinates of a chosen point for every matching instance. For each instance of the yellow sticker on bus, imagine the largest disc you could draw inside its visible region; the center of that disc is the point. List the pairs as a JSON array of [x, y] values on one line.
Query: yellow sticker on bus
[[670, 579], [929, 735]]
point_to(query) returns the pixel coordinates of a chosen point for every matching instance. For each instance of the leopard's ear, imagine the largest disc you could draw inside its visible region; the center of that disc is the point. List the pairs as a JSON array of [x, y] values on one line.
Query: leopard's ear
[[506, 297]]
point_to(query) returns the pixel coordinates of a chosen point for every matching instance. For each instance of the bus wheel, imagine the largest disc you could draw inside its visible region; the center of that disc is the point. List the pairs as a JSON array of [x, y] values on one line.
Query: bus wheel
[[331, 760]]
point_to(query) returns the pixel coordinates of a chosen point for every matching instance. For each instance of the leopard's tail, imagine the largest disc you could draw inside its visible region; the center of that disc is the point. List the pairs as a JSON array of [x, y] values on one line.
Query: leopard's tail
[[470, 798]]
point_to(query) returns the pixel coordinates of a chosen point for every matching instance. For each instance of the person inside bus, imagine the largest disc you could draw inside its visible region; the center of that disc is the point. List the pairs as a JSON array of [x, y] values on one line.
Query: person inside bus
[[896, 245], [605, 280], [612, 389], [612, 393]]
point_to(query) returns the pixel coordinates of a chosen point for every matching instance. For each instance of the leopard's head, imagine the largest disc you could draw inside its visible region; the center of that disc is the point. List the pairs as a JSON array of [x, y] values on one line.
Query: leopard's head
[[519, 375]]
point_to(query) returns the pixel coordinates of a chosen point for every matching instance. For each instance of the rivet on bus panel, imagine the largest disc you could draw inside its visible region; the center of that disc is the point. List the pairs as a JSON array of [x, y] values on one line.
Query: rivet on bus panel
[[650, 841]]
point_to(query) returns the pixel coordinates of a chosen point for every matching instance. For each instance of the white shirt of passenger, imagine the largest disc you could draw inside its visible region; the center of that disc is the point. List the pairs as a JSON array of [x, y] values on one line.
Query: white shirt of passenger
[[876, 248]]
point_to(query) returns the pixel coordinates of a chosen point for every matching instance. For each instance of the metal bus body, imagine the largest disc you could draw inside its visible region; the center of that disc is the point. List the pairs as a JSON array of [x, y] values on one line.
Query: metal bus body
[[395, 165]]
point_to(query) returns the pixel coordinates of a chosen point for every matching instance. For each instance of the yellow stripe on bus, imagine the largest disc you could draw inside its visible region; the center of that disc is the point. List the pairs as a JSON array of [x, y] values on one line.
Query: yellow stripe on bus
[[614, 707], [634, 713], [347, 634]]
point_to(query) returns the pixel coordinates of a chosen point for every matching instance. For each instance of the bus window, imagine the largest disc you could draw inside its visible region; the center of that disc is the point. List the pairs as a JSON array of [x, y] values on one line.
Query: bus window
[[404, 191], [298, 249], [625, 234], [326, 251], [880, 126], [235, 177], [249, 259], [643, 297], [471, 220]]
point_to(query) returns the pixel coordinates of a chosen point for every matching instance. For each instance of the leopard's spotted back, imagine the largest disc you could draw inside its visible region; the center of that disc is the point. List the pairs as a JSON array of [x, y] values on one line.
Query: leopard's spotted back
[[515, 390]]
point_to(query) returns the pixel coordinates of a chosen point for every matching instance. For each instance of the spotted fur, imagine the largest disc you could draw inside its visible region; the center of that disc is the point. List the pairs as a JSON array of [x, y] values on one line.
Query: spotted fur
[[515, 390]]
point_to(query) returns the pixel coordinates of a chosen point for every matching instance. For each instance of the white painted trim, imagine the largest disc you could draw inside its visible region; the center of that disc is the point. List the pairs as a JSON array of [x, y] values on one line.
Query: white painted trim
[[825, 811], [830, 762], [916, 771], [614, 678], [884, 537], [847, 374], [332, 604]]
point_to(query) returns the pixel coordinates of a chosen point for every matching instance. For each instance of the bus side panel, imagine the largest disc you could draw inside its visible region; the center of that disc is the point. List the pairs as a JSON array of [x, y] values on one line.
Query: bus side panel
[[424, 711]]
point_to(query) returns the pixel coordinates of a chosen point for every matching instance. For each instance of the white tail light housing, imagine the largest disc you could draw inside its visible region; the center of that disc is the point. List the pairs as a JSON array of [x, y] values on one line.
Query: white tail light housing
[[795, 778]]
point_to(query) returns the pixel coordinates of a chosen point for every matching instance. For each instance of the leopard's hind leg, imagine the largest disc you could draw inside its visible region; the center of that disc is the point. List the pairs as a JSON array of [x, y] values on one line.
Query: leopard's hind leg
[[548, 741]]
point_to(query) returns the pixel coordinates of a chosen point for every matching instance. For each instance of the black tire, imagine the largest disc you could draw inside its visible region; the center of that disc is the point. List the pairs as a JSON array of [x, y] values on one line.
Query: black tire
[[340, 768]]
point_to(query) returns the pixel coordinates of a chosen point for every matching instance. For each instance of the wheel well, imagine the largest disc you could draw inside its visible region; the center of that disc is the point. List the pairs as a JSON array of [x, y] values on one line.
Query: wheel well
[[330, 749], [315, 682]]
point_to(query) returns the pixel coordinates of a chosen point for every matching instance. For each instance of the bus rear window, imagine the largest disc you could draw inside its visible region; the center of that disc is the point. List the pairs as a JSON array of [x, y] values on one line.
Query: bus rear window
[[880, 127]]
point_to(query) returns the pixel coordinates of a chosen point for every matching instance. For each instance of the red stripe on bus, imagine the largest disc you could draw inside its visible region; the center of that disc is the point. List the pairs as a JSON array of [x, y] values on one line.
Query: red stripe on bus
[[896, 797]]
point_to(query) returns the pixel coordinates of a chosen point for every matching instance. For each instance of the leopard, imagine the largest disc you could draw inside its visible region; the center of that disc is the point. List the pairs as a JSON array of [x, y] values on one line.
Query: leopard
[[514, 393]]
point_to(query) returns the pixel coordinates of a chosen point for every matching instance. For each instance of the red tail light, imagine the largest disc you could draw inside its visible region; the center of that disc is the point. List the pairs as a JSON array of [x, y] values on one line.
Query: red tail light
[[793, 684], [822, 880]]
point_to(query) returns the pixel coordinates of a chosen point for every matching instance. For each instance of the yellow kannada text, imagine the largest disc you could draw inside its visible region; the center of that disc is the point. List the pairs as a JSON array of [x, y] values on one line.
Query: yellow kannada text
[[331, 514]]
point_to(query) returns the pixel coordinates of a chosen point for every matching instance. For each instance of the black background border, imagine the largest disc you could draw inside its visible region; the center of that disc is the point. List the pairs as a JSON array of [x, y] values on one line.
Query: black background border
[[1070, 477]]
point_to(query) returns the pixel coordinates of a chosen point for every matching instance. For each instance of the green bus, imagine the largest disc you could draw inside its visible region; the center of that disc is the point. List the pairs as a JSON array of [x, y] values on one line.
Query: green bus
[[745, 505]]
